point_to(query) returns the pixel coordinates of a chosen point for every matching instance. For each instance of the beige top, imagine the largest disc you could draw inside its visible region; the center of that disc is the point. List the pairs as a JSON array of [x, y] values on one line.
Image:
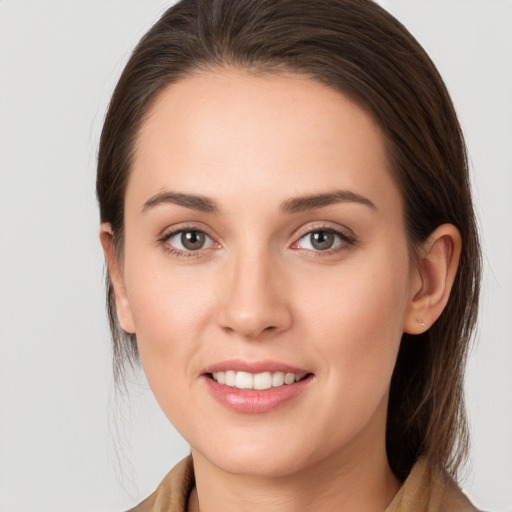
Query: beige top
[[425, 490]]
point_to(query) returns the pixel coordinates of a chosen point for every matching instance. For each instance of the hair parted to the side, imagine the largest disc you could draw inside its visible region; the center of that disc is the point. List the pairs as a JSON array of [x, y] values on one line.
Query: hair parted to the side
[[358, 48]]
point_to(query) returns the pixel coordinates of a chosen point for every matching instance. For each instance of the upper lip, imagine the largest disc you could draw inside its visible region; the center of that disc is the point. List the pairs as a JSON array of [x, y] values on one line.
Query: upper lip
[[252, 367]]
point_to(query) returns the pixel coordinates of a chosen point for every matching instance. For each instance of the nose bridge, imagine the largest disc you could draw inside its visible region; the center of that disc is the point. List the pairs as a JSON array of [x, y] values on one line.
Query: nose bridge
[[253, 297]]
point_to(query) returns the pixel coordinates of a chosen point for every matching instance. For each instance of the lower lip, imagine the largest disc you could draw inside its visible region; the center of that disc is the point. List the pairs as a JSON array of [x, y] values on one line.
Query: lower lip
[[255, 401]]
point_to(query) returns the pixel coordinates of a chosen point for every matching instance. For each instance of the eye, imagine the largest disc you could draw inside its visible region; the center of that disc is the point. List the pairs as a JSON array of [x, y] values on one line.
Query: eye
[[188, 240], [322, 240]]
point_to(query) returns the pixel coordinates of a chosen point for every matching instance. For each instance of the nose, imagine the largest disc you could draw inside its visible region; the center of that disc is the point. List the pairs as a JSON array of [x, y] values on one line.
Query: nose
[[253, 297]]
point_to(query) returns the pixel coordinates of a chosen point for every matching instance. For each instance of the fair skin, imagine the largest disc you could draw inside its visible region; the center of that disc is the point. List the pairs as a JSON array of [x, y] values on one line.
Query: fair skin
[[327, 287]]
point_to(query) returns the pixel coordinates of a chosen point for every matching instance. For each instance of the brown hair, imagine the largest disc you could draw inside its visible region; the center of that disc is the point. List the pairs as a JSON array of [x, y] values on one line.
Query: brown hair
[[358, 48]]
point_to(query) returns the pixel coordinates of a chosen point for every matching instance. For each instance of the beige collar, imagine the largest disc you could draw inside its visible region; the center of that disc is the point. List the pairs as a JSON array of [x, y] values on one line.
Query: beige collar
[[425, 490]]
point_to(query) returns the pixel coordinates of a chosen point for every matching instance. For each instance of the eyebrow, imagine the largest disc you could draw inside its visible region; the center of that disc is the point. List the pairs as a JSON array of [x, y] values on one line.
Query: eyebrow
[[194, 202], [293, 205], [314, 201]]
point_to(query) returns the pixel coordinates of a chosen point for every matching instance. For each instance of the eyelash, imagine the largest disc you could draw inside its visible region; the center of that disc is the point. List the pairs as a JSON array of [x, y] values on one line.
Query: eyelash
[[178, 252], [346, 242]]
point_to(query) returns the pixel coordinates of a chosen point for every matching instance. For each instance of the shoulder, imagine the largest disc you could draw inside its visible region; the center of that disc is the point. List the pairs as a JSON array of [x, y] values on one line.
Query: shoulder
[[428, 489], [172, 494]]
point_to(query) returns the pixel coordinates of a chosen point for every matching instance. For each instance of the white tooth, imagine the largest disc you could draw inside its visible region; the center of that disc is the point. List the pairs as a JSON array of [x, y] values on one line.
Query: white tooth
[[230, 378], [220, 377], [263, 380], [289, 378], [244, 380], [299, 376], [277, 379]]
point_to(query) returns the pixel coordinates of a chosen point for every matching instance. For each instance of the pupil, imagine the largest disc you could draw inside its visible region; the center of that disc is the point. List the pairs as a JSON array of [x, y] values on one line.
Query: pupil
[[322, 240], [192, 240]]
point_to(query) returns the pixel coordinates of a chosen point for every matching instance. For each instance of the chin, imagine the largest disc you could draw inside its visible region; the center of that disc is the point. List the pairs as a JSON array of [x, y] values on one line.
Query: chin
[[265, 460]]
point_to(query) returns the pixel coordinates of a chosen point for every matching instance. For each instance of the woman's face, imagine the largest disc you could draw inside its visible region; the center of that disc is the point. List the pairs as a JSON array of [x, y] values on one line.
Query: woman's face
[[264, 236]]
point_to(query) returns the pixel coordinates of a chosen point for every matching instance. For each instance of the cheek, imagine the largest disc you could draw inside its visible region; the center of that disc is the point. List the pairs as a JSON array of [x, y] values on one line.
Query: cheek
[[358, 317], [169, 314], [169, 308]]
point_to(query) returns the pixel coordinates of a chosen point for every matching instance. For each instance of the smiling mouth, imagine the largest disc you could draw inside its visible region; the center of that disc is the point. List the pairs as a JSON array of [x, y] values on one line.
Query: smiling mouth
[[257, 381]]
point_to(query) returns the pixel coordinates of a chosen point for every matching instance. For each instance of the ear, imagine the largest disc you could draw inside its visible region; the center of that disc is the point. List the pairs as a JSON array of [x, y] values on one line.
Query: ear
[[124, 313], [433, 278]]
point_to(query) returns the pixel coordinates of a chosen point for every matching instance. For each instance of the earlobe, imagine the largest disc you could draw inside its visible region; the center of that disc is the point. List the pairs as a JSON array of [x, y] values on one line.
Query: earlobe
[[435, 274], [115, 273]]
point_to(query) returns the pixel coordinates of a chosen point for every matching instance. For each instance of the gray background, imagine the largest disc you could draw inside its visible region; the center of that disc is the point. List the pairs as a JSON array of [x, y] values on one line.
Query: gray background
[[61, 448]]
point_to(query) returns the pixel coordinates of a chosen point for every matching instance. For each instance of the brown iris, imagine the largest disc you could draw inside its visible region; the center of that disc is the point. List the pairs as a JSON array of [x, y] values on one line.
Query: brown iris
[[322, 240], [192, 240]]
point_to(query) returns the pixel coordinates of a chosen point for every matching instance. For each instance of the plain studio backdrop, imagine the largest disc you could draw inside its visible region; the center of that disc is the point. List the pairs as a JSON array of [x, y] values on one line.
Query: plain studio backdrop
[[60, 448]]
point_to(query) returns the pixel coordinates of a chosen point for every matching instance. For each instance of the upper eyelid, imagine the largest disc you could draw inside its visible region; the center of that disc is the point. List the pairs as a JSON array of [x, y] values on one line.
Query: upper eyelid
[[343, 237], [324, 226], [173, 230]]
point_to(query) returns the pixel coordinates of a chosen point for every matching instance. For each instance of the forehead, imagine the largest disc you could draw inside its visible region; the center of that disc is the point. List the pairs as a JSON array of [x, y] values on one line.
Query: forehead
[[231, 130]]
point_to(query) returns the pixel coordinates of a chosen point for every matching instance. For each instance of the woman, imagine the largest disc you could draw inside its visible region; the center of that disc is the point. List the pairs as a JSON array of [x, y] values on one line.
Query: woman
[[292, 255]]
